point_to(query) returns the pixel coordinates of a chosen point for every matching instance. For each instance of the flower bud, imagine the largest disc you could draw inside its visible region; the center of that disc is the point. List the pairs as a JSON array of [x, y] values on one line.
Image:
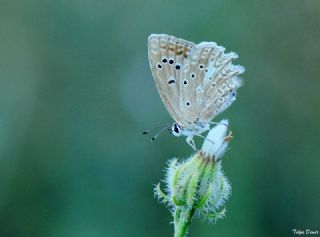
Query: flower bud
[[198, 186], [216, 142]]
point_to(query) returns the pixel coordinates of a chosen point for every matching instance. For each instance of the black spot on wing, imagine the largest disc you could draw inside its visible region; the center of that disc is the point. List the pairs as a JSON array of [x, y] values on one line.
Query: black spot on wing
[[172, 81]]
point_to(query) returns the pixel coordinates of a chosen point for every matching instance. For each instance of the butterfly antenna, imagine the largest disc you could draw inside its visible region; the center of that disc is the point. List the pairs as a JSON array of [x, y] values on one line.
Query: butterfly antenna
[[151, 129], [161, 130]]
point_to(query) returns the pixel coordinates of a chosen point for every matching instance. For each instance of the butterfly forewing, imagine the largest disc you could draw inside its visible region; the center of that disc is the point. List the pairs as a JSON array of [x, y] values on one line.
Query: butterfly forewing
[[167, 55]]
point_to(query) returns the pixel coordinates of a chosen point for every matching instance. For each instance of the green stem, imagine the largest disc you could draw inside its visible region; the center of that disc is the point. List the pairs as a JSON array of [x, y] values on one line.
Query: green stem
[[181, 225]]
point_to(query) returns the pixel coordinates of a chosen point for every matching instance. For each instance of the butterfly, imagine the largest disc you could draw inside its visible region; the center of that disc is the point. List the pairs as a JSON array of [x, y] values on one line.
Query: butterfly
[[196, 82]]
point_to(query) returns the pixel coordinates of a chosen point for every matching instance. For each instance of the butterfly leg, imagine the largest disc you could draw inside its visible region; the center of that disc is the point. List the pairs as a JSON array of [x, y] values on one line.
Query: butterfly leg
[[228, 137], [204, 138], [191, 143]]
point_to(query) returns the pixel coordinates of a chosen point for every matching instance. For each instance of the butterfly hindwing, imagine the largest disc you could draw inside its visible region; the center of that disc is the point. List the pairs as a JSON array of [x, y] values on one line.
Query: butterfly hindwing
[[209, 83], [167, 55], [220, 83]]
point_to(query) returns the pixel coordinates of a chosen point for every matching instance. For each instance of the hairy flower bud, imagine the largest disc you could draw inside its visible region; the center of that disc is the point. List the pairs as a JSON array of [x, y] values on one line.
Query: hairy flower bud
[[198, 186]]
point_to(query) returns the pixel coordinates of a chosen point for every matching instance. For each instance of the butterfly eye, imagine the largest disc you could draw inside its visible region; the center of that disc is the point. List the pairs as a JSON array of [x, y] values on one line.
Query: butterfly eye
[[188, 103], [201, 66], [185, 82], [176, 129], [171, 61], [164, 60], [178, 67], [159, 66]]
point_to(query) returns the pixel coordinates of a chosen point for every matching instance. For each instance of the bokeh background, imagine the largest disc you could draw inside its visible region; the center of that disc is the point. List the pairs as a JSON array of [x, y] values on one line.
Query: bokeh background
[[76, 91]]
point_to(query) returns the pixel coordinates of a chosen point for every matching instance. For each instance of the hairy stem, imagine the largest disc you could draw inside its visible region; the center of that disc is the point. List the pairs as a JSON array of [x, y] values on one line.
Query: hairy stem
[[181, 224]]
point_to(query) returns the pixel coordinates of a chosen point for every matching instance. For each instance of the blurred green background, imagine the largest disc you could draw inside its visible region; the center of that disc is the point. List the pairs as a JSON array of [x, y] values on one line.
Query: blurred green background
[[76, 91]]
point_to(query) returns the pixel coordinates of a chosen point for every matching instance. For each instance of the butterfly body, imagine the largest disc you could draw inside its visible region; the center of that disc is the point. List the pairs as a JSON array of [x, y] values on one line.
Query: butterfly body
[[195, 81]]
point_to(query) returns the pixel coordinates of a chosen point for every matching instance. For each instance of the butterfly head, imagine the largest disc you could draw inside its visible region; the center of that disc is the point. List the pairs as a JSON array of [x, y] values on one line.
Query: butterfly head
[[176, 130]]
